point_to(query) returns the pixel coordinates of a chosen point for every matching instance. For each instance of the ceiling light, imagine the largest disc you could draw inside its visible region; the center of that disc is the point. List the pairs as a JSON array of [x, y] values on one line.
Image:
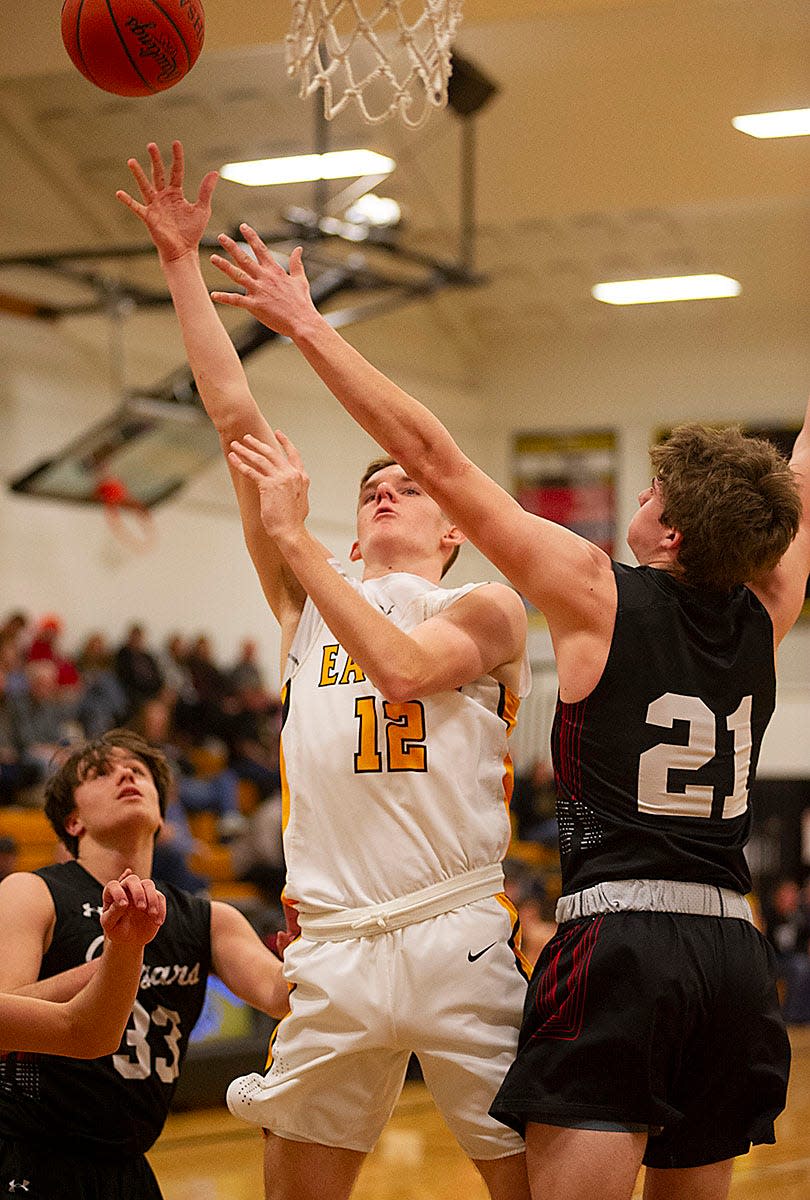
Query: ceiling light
[[304, 168], [793, 122], [371, 209], [657, 291]]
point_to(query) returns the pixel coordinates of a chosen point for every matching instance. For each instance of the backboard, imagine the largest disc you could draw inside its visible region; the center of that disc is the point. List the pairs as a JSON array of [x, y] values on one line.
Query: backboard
[[152, 446]]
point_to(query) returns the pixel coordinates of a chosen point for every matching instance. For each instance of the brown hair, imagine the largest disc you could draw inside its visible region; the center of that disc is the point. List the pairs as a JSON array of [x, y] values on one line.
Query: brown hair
[[732, 498], [94, 757], [378, 464]]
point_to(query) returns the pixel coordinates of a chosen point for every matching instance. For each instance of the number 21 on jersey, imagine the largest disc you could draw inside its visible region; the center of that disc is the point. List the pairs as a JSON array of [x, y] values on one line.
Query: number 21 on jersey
[[655, 764]]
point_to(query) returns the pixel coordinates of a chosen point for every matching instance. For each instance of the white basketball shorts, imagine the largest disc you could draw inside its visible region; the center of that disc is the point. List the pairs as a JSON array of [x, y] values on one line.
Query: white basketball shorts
[[449, 989]]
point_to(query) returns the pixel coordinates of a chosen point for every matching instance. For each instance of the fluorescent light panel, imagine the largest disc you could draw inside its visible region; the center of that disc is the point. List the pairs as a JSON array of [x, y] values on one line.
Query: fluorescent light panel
[[793, 122], [380, 211], [659, 291], [304, 168]]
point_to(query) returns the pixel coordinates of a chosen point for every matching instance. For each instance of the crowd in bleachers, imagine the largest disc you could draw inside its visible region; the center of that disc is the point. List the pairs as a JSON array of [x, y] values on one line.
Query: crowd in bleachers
[[218, 725]]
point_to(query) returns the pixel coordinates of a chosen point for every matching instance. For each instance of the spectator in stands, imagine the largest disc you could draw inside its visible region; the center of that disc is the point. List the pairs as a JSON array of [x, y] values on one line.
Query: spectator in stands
[[787, 928], [45, 646], [17, 773], [534, 803], [43, 719], [137, 669], [178, 682], [211, 686], [13, 652], [246, 672], [174, 845], [15, 637], [251, 731], [216, 793], [257, 853], [178, 686], [15, 626], [102, 703]]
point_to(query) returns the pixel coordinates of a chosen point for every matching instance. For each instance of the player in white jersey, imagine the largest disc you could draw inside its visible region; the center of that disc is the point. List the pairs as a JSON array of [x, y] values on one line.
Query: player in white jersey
[[381, 763], [398, 699]]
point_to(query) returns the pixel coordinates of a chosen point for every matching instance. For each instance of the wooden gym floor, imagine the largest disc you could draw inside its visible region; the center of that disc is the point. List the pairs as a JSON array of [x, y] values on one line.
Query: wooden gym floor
[[209, 1155]]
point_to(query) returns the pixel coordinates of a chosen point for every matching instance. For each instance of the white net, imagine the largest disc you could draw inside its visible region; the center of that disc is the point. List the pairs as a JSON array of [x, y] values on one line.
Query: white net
[[389, 57]]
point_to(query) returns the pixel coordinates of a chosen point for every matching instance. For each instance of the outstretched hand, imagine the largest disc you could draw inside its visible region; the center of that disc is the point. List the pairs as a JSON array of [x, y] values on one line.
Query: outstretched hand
[[174, 223], [278, 472], [280, 300], [133, 910]]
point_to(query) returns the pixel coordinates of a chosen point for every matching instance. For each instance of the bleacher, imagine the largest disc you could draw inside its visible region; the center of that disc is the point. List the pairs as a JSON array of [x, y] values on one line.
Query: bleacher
[[213, 860], [39, 846], [31, 830]]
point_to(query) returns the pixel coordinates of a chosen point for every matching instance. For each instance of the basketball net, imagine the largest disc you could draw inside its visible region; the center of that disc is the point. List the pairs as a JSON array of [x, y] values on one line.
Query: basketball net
[[128, 519], [335, 46]]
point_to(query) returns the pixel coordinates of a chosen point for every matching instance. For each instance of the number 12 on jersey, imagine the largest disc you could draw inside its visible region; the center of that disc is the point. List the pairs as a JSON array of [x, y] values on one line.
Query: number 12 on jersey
[[655, 764], [392, 739]]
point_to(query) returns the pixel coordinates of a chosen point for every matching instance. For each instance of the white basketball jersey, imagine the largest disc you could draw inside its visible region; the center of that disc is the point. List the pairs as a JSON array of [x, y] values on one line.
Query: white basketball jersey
[[383, 799]]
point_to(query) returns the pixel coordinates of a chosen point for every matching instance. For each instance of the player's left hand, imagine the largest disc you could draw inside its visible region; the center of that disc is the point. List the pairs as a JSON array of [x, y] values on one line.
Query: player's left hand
[[278, 472], [133, 910], [281, 300]]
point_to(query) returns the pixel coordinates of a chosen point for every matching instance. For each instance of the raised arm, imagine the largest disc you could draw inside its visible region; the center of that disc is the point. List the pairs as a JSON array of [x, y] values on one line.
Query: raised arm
[[783, 591], [244, 963], [176, 226], [92, 1022], [482, 633], [538, 556]]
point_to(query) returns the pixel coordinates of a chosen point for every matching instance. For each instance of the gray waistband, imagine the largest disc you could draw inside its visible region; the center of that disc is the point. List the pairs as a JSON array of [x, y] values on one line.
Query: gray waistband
[[653, 895]]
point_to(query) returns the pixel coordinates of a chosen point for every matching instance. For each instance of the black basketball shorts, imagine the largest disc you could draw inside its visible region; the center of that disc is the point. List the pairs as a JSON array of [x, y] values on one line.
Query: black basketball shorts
[[39, 1171], [657, 1022]]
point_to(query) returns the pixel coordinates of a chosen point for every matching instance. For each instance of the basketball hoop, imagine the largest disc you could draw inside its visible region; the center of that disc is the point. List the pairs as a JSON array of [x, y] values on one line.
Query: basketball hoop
[[335, 46], [127, 517]]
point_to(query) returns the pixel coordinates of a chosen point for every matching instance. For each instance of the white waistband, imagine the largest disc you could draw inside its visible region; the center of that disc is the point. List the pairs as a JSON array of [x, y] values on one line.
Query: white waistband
[[405, 910], [653, 895]]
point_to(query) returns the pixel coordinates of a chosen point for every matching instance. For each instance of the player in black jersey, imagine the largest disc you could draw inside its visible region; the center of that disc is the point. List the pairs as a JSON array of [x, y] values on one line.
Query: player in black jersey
[[651, 1030], [91, 1022], [81, 1129]]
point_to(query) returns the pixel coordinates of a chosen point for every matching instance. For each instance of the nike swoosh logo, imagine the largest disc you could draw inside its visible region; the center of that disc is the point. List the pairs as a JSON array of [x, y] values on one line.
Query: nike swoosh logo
[[472, 957]]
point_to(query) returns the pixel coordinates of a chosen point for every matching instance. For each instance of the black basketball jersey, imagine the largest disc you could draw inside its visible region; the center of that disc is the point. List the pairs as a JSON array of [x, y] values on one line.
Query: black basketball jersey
[[117, 1103], [653, 768]]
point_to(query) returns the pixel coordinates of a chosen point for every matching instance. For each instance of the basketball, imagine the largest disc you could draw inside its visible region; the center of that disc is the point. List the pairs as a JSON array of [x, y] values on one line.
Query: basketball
[[133, 47]]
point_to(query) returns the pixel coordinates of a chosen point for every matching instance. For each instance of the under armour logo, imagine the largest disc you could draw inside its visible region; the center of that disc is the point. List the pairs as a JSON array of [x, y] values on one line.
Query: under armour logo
[[386, 612], [22, 1186], [89, 909]]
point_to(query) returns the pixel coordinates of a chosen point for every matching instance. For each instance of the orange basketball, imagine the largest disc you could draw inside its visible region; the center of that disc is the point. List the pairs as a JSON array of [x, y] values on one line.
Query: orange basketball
[[133, 47]]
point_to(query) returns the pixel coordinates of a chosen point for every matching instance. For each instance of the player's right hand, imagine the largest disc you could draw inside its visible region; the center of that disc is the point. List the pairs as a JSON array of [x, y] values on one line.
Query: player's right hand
[[133, 910], [284, 936], [175, 224]]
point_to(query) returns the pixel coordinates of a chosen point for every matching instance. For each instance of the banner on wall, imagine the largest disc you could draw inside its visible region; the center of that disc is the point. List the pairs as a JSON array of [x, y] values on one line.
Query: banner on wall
[[569, 478]]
